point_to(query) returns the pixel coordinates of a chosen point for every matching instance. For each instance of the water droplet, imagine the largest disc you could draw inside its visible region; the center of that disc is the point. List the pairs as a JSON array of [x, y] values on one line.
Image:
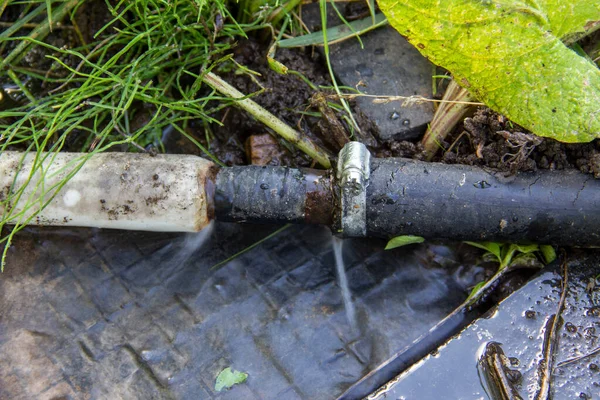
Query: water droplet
[[593, 312], [515, 219], [394, 116], [406, 122], [482, 185], [264, 186], [364, 70], [589, 331]]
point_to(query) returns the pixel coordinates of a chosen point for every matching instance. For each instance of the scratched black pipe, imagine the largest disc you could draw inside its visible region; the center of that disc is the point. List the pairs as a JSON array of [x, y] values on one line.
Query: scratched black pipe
[[263, 194], [433, 200], [455, 202]]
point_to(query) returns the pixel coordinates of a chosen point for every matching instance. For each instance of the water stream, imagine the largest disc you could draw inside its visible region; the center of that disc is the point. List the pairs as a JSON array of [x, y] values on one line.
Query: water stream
[[180, 251], [194, 242], [343, 283]]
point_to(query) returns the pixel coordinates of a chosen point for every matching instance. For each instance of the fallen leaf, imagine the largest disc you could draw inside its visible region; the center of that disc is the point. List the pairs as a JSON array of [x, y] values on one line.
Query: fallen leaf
[[228, 377]]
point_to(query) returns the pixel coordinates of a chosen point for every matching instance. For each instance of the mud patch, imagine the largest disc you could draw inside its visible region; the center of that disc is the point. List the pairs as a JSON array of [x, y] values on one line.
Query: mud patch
[[286, 96]]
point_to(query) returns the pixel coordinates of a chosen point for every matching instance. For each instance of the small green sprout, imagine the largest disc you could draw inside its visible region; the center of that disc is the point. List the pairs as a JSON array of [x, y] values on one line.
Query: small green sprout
[[509, 257], [399, 241]]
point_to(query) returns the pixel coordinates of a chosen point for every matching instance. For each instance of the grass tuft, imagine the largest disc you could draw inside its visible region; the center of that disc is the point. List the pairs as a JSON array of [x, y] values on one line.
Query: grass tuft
[[134, 79], [66, 84]]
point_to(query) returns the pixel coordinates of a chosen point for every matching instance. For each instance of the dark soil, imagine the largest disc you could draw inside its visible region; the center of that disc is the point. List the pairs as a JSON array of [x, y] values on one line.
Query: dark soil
[[286, 96], [489, 139]]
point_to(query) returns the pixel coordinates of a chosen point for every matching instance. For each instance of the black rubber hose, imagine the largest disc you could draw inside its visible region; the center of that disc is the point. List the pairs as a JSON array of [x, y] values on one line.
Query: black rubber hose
[[273, 195], [436, 201], [408, 197]]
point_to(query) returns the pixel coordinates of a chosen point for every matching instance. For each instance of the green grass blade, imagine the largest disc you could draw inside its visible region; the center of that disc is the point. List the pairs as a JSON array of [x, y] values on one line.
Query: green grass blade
[[337, 33]]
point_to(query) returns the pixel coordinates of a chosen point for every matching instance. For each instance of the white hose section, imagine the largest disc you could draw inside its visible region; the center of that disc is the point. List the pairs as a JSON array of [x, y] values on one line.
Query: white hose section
[[111, 190]]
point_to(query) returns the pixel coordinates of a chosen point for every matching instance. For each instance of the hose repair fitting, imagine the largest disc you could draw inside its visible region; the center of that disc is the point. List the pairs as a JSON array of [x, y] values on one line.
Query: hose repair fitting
[[353, 171]]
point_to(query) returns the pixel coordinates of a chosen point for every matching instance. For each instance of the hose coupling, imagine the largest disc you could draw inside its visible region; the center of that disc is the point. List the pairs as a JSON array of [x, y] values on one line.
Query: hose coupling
[[353, 170]]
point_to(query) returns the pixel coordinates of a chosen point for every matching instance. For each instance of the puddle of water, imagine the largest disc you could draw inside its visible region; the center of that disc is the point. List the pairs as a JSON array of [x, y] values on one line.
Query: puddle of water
[[343, 283]]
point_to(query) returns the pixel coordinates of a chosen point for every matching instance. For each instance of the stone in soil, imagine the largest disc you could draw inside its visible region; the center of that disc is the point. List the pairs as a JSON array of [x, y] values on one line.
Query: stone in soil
[[265, 150], [386, 64]]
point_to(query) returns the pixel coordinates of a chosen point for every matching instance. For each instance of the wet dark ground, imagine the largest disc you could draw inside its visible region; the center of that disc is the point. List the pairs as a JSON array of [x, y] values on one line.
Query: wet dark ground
[[110, 314], [520, 327]]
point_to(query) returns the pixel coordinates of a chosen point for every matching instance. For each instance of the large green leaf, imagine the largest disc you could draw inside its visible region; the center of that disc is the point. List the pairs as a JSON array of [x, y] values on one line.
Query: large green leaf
[[509, 54]]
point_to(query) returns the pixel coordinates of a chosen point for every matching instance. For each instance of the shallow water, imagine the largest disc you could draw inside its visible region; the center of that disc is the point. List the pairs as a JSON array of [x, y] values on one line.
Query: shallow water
[[508, 345]]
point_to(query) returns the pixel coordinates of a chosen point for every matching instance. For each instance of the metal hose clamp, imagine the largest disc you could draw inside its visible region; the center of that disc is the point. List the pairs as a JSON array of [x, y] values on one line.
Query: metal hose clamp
[[353, 170]]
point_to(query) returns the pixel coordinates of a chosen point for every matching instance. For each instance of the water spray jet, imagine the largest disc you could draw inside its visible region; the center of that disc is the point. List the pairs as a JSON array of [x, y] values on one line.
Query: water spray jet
[[363, 196]]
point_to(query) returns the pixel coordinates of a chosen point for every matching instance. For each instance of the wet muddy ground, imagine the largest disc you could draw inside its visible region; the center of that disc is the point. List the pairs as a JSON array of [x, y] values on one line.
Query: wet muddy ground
[[489, 139]]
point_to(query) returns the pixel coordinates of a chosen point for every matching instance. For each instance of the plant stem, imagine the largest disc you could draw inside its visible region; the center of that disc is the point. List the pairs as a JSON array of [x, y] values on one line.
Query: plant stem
[[39, 33], [3, 4], [21, 86], [23, 22], [337, 33], [449, 112], [285, 131], [323, 8], [283, 10], [253, 245]]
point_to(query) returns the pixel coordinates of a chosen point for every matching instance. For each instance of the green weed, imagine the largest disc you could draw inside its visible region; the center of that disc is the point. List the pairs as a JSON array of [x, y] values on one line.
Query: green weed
[[143, 73], [140, 76], [509, 257]]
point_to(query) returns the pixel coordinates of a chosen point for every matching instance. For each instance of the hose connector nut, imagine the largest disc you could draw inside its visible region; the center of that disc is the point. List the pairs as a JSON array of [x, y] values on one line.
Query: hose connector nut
[[353, 170]]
